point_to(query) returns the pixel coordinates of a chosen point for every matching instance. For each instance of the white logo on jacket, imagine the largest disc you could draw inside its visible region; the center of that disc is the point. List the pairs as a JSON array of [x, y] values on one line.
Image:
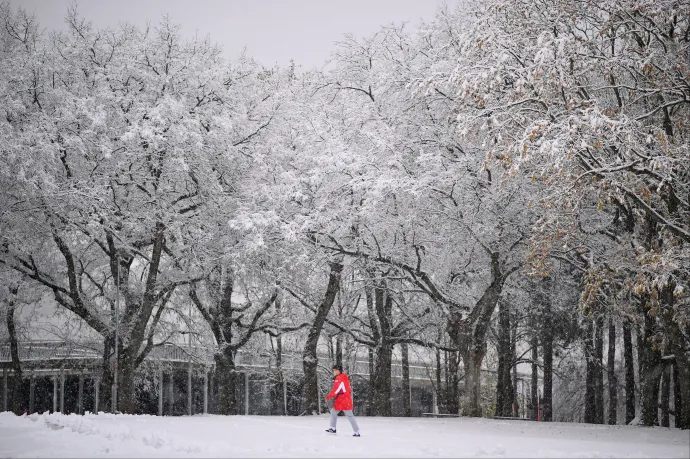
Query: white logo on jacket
[[341, 386]]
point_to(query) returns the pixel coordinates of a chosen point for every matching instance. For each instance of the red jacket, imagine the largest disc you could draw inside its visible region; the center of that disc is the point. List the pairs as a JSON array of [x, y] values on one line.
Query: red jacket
[[342, 393]]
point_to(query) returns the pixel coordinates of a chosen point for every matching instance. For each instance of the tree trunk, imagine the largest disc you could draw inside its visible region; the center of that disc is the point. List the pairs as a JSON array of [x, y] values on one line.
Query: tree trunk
[[126, 401], [535, 378], [546, 402], [226, 381], [135, 320], [469, 335], [679, 404], [369, 292], [280, 389], [599, 368], [407, 409], [590, 376], [445, 399], [650, 373], [612, 379], [547, 346], [439, 391], [473, 382], [280, 385], [219, 317], [513, 351], [677, 346], [504, 386], [501, 394], [16, 365], [339, 349], [629, 373], [106, 389], [665, 396], [683, 409], [460, 335], [453, 380], [383, 304], [372, 375], [309, 355], [382, 381]]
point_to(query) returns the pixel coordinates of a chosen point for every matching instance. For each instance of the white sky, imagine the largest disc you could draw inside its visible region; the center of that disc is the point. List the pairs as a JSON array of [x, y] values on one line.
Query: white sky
[[273, 31]]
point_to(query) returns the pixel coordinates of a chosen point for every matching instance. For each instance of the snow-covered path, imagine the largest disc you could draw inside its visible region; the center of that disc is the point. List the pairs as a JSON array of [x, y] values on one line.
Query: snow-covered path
[[256, 436]]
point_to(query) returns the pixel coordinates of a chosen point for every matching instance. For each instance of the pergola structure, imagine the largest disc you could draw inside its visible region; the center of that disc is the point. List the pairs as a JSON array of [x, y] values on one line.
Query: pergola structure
[[58, 359]]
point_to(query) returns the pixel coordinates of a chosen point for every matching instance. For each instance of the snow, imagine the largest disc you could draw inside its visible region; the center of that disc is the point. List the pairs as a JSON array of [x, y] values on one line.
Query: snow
[[106, 435]]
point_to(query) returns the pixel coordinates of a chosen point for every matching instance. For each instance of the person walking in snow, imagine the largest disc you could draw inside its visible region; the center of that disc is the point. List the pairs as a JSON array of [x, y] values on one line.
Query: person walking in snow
[[343, 400]]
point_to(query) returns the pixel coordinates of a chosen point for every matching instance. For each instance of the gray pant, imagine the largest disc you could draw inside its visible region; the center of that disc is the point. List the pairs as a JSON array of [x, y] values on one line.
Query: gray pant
[[348, 414]]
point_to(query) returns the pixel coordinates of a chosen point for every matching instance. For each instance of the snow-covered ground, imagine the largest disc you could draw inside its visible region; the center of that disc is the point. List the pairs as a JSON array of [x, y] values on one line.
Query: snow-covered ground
[[107, 435]]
